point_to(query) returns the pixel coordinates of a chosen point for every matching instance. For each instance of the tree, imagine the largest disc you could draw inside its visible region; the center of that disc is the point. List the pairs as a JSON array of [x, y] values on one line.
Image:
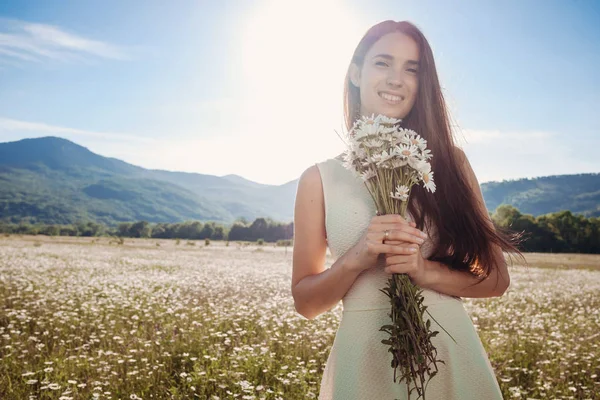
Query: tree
[[238, 232], [258, 229], [140, 229], [207, 231], [218, 233], [123, 229], [505, 215]]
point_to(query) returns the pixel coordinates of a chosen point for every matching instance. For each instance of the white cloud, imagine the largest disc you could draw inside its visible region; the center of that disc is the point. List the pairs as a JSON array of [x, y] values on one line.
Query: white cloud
[[275, 161], [13, 126], [33, 42], [498, 155]]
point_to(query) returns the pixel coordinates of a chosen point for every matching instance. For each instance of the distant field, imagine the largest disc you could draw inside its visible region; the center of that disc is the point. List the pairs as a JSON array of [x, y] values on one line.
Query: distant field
[[568, 260], [81, 318]]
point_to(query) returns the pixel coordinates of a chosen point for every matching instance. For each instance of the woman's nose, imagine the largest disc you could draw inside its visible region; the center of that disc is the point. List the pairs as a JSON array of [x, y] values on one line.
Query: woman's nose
[[395, 79]]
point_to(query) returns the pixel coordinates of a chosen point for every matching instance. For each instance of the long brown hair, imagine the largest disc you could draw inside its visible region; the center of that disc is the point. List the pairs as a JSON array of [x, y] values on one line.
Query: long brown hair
[[465, 237]]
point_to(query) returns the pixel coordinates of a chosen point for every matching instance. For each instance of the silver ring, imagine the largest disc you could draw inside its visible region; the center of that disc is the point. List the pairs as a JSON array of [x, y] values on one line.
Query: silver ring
[[386, 234]]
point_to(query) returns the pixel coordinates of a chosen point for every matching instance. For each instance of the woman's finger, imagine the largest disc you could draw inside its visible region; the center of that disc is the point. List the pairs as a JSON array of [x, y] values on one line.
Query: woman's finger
[[396, 269], [379, 248], [392, 259], [389, 219], [402, 236], [404, 227]]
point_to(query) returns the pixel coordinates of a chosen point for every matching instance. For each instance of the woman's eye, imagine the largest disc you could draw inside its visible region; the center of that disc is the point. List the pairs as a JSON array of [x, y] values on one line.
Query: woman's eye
[[381, 62], [414, 71]]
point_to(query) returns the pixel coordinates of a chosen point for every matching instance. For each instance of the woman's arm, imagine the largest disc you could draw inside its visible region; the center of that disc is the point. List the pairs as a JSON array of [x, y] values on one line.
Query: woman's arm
[[441, 278], [314, 288], [458, 283]]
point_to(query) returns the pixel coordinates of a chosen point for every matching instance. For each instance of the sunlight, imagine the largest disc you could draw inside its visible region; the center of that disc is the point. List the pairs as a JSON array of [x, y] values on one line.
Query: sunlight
[[294, 58]]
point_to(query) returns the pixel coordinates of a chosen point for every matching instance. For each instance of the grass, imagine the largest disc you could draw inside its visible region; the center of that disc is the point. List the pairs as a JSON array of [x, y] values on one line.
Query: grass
[[81, 320], [564, 261]]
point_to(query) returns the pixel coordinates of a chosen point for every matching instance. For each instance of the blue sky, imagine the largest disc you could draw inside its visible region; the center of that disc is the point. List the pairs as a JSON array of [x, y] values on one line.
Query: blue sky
[[255, 87]]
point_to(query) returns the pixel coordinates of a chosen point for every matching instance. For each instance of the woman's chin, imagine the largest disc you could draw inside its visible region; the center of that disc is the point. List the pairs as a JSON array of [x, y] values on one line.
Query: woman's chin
[[389, 112], [393, 114]]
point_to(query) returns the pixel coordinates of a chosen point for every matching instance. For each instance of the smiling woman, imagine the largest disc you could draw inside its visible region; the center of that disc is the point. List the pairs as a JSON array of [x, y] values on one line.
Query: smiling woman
[[447, 245], [391, 80]]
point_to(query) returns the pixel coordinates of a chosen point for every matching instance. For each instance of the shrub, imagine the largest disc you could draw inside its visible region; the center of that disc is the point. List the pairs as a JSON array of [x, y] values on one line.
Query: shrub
[[260, 242], [206, 241]]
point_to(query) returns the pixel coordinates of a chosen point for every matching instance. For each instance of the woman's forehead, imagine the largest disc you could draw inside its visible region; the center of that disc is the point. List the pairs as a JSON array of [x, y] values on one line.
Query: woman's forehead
[[394, 46]]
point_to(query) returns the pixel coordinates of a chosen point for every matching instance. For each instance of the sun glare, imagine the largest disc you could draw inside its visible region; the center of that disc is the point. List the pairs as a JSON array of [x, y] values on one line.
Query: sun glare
[[294, 57]]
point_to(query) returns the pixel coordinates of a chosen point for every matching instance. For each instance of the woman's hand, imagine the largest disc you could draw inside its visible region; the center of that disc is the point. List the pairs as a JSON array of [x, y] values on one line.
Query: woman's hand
[[365, 253], [412, 264]]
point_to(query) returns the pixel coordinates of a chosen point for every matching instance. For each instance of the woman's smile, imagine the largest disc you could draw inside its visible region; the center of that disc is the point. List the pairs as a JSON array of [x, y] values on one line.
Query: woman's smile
[[390, 98]]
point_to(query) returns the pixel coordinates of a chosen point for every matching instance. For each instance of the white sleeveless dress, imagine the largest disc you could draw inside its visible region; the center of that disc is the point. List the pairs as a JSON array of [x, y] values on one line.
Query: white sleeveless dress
[[359, 365]]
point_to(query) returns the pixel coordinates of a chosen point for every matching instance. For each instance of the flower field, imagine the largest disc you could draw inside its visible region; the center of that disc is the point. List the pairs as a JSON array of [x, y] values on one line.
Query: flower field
[[86, 318]]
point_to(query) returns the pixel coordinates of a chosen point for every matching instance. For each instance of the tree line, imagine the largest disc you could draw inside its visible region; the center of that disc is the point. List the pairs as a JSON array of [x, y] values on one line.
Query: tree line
[[559, 232], [241, 230]]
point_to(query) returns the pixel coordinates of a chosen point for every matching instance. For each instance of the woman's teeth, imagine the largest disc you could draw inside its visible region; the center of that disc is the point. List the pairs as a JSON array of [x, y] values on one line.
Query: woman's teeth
[[391, 98]]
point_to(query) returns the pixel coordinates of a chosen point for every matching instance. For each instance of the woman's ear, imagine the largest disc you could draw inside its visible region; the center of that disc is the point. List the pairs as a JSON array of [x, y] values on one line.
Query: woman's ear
[[354, 75]]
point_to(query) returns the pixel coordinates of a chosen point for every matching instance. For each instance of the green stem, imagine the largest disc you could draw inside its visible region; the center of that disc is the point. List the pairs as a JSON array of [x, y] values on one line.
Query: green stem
[[427, 311]]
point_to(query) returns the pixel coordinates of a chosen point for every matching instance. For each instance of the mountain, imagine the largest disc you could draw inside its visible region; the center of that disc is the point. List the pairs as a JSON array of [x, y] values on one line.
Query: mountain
[[54, 180], [242, 181], [578, 193]]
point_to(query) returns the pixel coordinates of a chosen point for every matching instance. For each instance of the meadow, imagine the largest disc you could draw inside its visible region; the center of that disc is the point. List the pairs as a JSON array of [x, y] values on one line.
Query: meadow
[[88, 318]]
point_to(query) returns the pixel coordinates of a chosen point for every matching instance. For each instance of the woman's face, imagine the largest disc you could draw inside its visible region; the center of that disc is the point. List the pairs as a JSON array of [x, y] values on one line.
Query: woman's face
[[389, 78]]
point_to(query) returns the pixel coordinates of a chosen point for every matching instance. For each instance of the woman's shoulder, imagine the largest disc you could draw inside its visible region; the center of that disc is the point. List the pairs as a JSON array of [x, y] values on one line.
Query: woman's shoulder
[[336, 161], [313, 175], [339, 157], [326, 163]]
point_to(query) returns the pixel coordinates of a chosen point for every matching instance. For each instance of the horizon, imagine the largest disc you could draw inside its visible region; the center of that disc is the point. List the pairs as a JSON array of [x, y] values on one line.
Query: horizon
[[158, 91], [281, 184]]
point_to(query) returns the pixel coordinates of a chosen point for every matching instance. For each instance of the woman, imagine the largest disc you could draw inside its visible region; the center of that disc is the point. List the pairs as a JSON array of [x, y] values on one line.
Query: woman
[[447, 244]]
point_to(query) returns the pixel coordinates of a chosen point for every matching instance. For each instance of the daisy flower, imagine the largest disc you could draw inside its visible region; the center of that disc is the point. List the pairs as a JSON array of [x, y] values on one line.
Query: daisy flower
[[398, 162], [373, 143], [382, 157], [401, 193], [368, 174], [418, 141], [426, 154], [387, 120], [426, 175]]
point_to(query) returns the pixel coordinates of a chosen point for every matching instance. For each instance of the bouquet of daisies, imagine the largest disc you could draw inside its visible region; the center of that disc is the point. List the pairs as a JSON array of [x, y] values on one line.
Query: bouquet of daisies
[[391, 160]]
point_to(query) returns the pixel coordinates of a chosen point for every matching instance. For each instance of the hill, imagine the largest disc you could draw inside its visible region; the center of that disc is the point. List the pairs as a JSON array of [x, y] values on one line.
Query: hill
[[54, 180]]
